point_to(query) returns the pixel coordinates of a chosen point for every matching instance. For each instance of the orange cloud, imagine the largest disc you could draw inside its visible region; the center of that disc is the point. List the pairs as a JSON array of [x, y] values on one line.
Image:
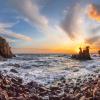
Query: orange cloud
[[94, 12]]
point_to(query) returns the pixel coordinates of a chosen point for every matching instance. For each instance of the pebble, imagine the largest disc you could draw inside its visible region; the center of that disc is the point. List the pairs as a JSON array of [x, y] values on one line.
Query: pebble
[[12, 88]]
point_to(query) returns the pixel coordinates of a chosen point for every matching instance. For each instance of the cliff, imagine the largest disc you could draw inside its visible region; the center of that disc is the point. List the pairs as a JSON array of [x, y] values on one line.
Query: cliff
[[5, 50]]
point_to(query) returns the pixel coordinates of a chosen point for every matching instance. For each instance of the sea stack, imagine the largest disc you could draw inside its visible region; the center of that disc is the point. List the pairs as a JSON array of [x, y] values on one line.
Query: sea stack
[[5, 49], [83, 54]]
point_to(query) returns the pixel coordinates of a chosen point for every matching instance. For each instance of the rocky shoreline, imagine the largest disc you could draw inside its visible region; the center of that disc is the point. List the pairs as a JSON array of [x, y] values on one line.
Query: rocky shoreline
[[12, 88]]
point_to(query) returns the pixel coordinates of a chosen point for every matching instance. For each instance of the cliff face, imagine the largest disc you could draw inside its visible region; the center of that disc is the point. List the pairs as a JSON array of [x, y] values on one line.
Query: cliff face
[[5, 50]]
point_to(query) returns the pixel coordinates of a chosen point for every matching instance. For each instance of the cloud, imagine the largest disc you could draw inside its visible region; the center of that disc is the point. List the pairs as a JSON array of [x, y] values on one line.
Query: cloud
[[7, 32], [94, 12], [30, 10], [95, 30], [12, 34], [73, 20], [6, 25], [93, 40]]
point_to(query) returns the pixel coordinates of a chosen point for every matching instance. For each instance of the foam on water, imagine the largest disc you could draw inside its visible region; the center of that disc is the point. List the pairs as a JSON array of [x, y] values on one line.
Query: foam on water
[[46, 69]]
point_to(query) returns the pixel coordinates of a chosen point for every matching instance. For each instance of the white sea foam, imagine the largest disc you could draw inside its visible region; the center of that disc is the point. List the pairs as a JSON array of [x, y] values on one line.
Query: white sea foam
[[49, 68]]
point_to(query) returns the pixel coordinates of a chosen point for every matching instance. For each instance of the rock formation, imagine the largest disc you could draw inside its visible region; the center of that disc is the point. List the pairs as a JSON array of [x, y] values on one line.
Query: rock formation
[[99, 53], [5, 50], [83, 54]]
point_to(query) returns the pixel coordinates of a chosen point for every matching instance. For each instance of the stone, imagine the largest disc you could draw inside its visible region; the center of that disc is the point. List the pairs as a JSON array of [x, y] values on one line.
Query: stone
[[54, 88], [78, 95], [99, 53], [13, 70], [54, 97], [83, 98], [15, 65], [83, 54], [5, 49]]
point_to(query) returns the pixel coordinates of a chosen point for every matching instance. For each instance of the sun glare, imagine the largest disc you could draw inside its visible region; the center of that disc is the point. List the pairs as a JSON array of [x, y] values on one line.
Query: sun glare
[[78, 45]]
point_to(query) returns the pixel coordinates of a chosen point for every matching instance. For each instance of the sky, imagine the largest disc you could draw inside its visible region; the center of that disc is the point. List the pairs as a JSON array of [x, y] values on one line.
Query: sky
[[50, 26]]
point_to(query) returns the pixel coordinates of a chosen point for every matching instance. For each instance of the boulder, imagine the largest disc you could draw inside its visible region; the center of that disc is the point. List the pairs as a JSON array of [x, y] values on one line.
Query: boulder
[[13, 70], [2, 58], [5, 49]]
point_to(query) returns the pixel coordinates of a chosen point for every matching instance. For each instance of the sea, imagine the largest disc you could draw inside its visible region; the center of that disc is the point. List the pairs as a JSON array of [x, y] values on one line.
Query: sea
[[49, 68]]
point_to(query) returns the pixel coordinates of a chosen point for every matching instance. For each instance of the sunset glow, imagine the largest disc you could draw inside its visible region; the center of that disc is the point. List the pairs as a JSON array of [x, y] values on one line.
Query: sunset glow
[[50, 26]]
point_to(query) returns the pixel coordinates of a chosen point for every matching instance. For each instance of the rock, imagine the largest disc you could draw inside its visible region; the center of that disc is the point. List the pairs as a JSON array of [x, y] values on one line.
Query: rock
[[78, 95], [83, 54], [2, 59], [84, 88], [5, 50], [76, 70], [54, 88], [83, 98], [42, 89], [15, 65], [35, 97], [54, 97], [13, 70], [17, 80]]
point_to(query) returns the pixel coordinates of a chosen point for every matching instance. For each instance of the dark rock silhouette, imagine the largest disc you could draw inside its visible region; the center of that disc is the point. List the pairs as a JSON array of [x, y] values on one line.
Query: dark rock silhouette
[[5, 49], [99, 53], [83, 54]]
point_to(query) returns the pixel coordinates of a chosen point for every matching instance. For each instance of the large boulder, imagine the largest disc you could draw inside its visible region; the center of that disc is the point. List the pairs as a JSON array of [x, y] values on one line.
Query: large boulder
[[5, 49]]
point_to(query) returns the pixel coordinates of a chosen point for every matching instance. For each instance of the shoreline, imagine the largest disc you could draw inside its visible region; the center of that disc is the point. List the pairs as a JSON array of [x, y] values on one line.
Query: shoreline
[[12, 88]]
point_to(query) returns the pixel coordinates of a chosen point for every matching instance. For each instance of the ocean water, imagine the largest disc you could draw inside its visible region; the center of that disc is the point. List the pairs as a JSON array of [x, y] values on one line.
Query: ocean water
[[48, 68]]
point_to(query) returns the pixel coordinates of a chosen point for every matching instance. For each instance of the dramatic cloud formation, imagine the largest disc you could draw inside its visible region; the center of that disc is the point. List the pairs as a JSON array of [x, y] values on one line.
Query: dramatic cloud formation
[[94, 12], [73, 29], [72, 21], [30, 10], [31, 13]]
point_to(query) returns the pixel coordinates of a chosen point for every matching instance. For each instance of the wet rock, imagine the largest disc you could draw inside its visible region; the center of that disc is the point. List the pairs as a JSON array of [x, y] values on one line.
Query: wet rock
[[35, 97], [13, 70], [15, 65], [54, 97], [42, 89], [54, 88], [2, 59], [12, 88], [17, 80], [83, 98], [97, 70], [84, 88], [75, 70], [78, 96], [32, 84]]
